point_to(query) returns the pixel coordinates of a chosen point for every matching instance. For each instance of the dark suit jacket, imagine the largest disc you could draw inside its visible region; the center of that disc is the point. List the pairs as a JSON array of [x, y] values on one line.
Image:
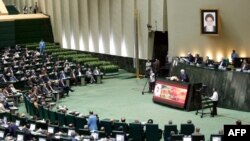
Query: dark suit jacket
[[184, 77], [46, 79], [61, 84], [208, 62], [198, 60], [191, 58]]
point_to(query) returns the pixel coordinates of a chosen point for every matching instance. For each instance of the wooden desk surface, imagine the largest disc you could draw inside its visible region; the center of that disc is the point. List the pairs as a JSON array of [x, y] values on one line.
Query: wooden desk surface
[[21, 17]]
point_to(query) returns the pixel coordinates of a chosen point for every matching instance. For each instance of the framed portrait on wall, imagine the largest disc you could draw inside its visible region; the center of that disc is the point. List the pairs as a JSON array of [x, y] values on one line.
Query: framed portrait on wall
[[209, 22]]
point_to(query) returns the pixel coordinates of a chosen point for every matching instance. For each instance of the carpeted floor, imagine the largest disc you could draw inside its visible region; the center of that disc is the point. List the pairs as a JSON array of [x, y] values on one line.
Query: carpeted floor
[[121, 97]]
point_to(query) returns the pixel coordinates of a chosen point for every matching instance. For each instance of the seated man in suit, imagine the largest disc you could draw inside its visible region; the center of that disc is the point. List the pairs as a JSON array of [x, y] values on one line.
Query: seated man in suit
[[66, 68], [223, 64], [190, 58], [65, 88], [183, 76], [40, 79], [123, 120], [62, 75], [197, 59], [12, 129], [150, 121], [97, 72], [13, 90], [2, 79], [90, 76], [46, 78], [73, 77], [13, 78], [45, 90], [208, 62], [245, 66]]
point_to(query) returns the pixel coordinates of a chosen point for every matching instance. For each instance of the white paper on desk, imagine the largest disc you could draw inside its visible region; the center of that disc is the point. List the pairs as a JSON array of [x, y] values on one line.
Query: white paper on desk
[[41, 139], [57, 137], [19, 137], [1, 134], [69, 132], [120, 138], [216, 139], [51, 130], [5, 119], [17, 122], [187, 139], [32, 127]]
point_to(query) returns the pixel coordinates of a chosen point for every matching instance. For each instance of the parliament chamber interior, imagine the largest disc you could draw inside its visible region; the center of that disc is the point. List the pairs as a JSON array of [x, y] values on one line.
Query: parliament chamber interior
[[123, 70]]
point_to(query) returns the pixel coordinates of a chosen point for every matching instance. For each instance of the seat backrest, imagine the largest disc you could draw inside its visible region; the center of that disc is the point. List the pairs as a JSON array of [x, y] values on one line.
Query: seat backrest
[[121, 124], [84, 132], [61, 118], [107, 126], [31, 108], [102, 134], [168, 129], [41, 125], [80, 122], [187, 129], [26, 103], [177, 137], [52, 115], [70, 119], [136, 131], [45, 113], [23, 120], [198, 138], [40, 112], [152, 132]]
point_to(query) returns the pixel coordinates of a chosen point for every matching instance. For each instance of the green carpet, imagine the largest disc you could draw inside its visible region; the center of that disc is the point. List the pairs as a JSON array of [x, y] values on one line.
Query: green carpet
[[116, 98]]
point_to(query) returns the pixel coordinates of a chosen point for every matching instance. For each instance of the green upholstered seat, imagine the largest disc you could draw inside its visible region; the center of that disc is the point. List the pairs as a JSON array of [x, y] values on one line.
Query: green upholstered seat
[[80, 122], [61, 118], [187, 129], [53, 116], [136, 131], [70, 119], [152, 132], [107, 124], [168, 129]]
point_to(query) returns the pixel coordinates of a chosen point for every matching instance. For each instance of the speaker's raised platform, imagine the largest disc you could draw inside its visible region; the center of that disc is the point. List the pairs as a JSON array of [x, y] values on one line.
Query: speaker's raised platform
[[22, 17], [233, 87]]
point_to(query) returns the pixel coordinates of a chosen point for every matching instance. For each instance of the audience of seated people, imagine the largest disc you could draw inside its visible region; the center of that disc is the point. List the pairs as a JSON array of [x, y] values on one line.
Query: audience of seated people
[[93, 126], [223, 64], [39, 73], [41, 85]]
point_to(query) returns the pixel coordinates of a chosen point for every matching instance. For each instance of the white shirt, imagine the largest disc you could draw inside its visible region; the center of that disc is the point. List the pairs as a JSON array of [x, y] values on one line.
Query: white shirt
[[148, 65], [214, 96], [96, 72], [152, 77], [209, 28]]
